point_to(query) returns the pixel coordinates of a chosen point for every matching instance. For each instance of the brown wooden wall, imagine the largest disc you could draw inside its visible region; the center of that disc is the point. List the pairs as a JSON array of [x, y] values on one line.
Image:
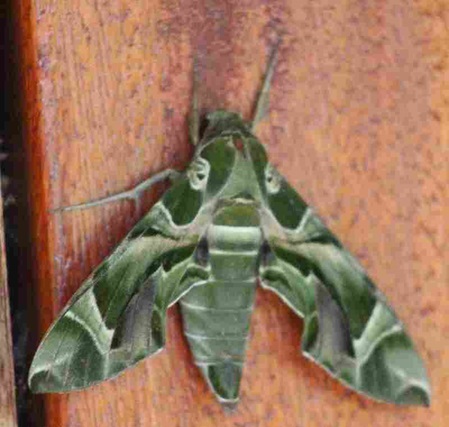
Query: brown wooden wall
[[359, 124]]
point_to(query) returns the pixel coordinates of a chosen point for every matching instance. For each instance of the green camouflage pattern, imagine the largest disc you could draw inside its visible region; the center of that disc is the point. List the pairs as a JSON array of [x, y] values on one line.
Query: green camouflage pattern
[[229, 222]]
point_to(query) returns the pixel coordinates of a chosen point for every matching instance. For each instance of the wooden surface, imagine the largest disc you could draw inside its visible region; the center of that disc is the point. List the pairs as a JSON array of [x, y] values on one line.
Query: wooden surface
[[359, 124], [7, 387]]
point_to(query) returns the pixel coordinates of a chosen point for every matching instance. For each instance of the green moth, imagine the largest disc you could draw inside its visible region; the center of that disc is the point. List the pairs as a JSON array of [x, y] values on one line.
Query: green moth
[[229, 222]]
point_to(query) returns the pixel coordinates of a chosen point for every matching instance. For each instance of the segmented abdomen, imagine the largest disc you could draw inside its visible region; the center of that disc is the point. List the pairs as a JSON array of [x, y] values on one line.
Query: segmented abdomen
[[217, 315]]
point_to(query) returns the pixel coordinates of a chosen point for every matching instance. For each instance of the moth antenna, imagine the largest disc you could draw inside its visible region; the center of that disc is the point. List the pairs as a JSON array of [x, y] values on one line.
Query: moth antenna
[[263, 100], [194, 119]]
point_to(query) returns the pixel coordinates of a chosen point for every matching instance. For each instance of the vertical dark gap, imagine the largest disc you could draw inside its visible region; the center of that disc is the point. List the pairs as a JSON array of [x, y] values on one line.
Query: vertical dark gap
[[14, 191]]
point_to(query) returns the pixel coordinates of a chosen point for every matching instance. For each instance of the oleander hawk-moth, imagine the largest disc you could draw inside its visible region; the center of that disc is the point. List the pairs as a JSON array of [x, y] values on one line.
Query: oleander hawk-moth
[[229, 222]]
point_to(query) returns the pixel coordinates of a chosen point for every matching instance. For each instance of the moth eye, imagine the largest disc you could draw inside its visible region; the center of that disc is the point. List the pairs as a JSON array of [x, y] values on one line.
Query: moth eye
[[272, 179], [198, 173]]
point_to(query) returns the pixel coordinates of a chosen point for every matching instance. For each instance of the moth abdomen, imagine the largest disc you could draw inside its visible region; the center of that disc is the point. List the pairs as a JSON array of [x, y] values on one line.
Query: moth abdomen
[[217, 314]]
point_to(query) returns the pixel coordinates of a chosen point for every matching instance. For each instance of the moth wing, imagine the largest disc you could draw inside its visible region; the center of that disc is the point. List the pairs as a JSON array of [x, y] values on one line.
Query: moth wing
[[349, 328], [118, 316]]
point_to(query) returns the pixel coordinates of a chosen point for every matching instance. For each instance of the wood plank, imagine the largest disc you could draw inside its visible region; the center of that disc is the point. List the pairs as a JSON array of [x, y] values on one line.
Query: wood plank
[[7, 383], [358, 124]]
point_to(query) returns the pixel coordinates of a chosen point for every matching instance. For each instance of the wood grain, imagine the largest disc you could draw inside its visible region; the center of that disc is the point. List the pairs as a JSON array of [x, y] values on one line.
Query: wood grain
[[359, 124], [7, 385]]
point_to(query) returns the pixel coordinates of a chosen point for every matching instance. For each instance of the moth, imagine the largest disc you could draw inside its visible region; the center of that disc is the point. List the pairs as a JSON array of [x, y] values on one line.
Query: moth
[[229, 222]]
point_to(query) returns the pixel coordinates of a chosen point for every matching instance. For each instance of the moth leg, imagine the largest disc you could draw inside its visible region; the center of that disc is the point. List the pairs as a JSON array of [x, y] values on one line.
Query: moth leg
[[194, 117], [263, 100], [131, 194]]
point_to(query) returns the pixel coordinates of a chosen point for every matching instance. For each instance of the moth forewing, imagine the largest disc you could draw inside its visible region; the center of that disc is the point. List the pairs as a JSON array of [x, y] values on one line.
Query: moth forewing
[[118, 316]]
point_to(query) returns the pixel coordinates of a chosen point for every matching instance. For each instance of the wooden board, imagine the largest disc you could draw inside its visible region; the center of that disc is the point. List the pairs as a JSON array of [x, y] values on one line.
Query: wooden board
[[7, 386], [359, 124]]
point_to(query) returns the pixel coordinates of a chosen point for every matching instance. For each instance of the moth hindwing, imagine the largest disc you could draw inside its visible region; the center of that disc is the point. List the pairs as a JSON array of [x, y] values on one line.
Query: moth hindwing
[[227, 221]]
